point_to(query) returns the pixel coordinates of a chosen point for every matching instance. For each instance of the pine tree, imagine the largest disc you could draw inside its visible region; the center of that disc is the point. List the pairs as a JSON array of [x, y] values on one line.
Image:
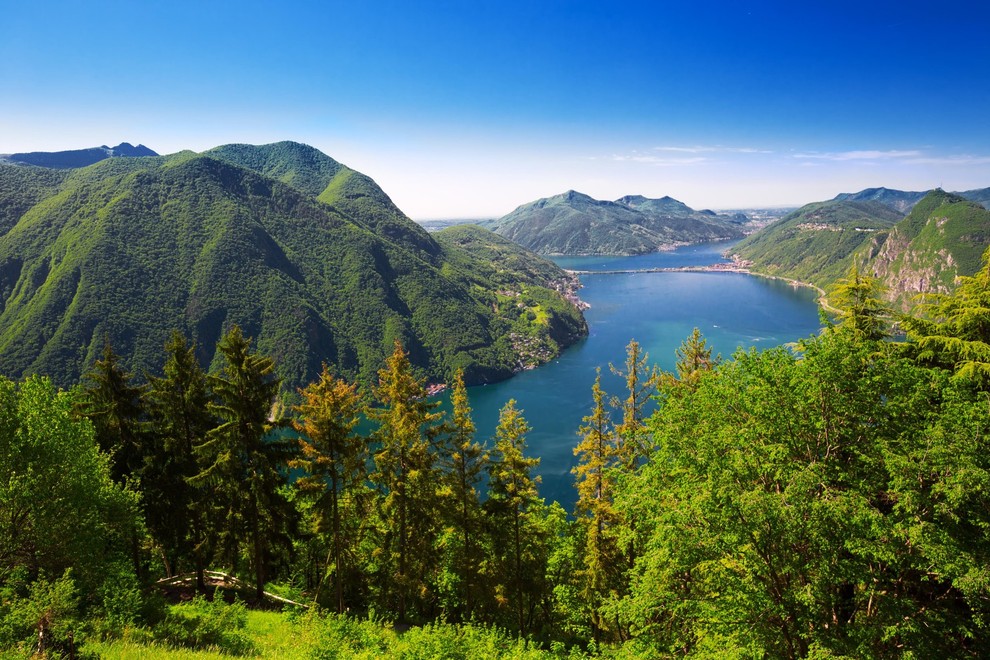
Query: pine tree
[[405, 474], [512, 492], [178, 404], [641, 384], [113, 405], [245, 460], [466, 459], [595, 511], [859, 301], [953, 330], [334, 458], [694, 358]]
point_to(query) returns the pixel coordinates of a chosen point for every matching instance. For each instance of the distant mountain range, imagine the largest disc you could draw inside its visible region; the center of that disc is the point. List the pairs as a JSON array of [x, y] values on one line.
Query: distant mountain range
[[944, 236], [78, 157], [308, 256], [903, 201], [576, 224]]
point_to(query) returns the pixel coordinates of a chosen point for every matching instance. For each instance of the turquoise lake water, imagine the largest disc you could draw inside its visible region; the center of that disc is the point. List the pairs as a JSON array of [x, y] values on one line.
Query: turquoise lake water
[[659, 310]]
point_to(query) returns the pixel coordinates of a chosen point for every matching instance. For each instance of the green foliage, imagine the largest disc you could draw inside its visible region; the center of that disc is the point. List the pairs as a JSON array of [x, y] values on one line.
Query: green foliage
[[206, 624], [777, 500], [245, 461], [59, 508]]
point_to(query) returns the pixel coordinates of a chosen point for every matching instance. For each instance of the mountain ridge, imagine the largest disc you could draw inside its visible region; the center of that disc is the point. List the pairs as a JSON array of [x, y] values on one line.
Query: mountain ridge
[[577, 224]]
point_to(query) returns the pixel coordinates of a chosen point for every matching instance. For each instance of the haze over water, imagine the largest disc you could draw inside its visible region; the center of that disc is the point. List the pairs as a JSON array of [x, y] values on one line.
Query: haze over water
[[659, 310]]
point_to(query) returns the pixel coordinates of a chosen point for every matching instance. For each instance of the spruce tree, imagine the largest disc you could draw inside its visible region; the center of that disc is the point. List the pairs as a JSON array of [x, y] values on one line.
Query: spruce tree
[[512, 493], [178, 403], [641, 384], [466, 459], [405, 474], [595, 512], [334, 458], [245, 461]]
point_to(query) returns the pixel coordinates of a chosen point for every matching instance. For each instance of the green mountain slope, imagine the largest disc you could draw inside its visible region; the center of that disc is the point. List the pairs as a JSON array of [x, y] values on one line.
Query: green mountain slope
[[131, 248], [816, 243], [574, 223], [944, 236]]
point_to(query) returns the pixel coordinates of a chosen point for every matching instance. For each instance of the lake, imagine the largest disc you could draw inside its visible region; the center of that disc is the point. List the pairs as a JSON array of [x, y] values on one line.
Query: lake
[[659, 310]]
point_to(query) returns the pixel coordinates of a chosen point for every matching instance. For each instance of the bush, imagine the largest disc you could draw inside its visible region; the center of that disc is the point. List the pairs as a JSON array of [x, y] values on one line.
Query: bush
[[205, 624]]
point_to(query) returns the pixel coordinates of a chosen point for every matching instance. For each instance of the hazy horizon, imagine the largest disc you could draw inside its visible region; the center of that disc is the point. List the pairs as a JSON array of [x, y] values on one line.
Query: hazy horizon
[[470, 110]]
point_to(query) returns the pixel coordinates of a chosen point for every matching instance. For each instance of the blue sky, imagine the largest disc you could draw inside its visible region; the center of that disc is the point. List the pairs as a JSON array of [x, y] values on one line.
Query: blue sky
[[470, 108]]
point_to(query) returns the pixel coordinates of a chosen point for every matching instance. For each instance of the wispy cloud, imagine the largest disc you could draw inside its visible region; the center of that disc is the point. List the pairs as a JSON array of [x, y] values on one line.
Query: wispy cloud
[[714, 149], [865, 154], [658, 160], [679, 155], [950, 160]]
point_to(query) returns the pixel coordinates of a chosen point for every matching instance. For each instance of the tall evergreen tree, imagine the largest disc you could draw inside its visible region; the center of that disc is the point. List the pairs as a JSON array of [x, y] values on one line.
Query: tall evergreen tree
[[406, 476], [114, 405], [334, 459], [178, 403], [861, 309], [641, 384], [512, 493], [694, 358], [953, 330], [466, 459], [244, 460], [595, 512]]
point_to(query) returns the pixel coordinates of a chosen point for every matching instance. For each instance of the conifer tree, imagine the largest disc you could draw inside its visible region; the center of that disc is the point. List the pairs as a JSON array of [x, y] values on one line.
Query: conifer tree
[[694, 357], [244, 461], [178, 404], [467, 458], [641, 384], [113, 405], [953, 330], [334, 458], [595, 511], [859, 301], [512, 492], [406, 476]]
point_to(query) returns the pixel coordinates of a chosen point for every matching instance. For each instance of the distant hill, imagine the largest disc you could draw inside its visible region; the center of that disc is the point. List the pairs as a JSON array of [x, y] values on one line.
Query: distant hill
[[944, 236], [78, 157], [576, 224], [903, 201], [311, 258], [816, 243]]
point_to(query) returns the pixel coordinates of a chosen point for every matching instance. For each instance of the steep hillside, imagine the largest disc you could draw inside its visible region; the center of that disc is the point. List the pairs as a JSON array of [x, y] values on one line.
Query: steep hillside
[[942, 238], [574, 223], [130, 248], [815, 243], [78, 157]]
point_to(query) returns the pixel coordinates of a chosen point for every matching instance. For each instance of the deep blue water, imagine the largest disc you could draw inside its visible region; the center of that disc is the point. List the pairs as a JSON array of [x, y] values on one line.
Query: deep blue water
[[659, 310]]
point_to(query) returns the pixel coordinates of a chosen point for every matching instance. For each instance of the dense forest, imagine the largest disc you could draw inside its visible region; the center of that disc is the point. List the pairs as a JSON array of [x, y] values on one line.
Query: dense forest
[[828, 499]]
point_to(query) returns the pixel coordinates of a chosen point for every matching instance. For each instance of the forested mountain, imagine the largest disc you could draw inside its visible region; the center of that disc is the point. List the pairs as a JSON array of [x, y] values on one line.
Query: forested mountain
[[574, 223], [942, 238], [904, 201], [815, 243], [78, 157], [309, 257]]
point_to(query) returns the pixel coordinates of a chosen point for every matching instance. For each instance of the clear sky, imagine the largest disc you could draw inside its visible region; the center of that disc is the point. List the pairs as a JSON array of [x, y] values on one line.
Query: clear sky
[[470, 108]]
